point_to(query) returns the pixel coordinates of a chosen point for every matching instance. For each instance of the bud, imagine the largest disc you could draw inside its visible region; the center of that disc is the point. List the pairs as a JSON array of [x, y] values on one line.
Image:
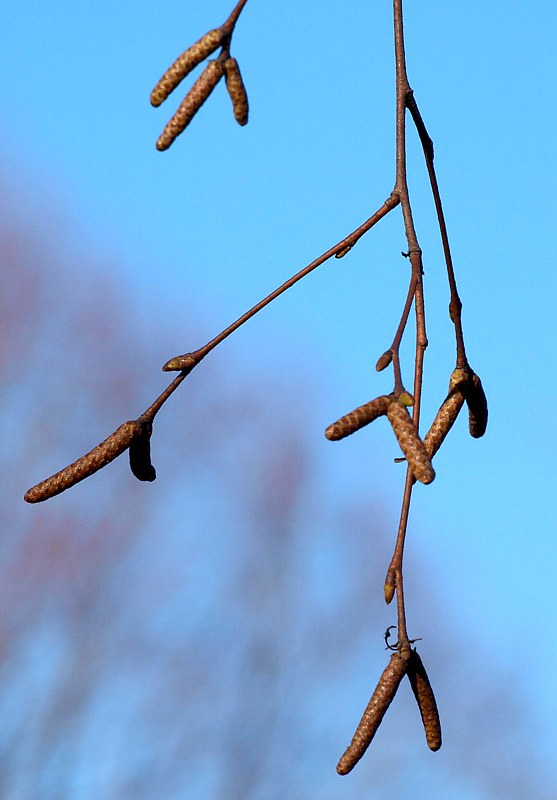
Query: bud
[[477, 407], [389, 585], [410, 442], [191, 104], [358, 418], [236, 90], [406, 399], [425, 699], [91, 462], [384, 360], [388, 592], [184, 64], [140, 454], [373, 715], [179, 363], [344, 251]]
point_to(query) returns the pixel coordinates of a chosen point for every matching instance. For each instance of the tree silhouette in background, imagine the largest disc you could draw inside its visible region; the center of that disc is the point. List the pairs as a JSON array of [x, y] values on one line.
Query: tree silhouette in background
[[177, 642]]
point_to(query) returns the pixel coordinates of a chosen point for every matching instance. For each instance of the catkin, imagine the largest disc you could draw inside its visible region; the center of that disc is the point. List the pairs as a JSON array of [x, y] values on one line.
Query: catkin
[[444, 421], [425, 699], [236, 90], [184, 64], [477, 407], [140, 454], [98, 457], [191, 104], [358, 418], [410, 442], [380, 701]]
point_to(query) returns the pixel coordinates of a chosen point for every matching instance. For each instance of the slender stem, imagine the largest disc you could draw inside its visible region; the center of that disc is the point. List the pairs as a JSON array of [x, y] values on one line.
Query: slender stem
[[395, 347], [415, 255], [149, 414], [455, 306], [230, 23], [179, 362]]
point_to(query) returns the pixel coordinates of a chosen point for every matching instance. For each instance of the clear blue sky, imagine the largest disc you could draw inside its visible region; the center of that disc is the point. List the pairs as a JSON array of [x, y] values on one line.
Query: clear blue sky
[[227, 213]]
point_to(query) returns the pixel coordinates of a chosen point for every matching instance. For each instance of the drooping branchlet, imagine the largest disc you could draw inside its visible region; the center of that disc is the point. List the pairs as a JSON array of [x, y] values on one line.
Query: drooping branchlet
[[358, 418], [140, 454], [184, 64], [373, 715], [101, 455], [236, 90], [410, 442], [191, 104], [425, 699]]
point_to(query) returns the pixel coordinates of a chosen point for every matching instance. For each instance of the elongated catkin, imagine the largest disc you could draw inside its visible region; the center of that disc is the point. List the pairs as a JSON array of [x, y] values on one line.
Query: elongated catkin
[[101, 455], [236, 91], [140, 454], [444, 421], [425, 699], [184, 64], [410, 442], [358, 418], [477, 407], [191, 104], [373, 715]]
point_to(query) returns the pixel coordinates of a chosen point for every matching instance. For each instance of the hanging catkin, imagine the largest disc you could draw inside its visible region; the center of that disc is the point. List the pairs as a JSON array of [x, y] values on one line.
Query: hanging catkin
[[425, 699], [101, 455], [410, 442], [477, 407], [379, 703], [184, 64], [191, 104], [358, 418], [140, 454], [236, 90]]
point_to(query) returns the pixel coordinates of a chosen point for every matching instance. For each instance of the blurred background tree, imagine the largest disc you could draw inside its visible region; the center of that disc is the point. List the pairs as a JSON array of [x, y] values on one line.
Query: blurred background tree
[[216, 633]]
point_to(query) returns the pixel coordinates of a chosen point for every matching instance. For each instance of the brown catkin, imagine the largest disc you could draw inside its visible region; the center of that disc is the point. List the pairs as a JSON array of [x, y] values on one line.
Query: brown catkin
[[477, 407], [358, 418], [444, 420], [191, 104], [236, 91], [98, 457], [140, 454], [184, 64], [380, 701], [410, 442], [425, 699]]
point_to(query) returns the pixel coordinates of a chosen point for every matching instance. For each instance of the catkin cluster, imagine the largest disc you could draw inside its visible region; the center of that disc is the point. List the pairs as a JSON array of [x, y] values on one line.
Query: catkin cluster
[[224, 65], [404, 663], [464, 387], [394, 407]]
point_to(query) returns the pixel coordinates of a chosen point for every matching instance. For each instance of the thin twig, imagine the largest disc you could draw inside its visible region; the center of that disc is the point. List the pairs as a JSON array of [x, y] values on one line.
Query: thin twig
[[455, 305], [178, 362]]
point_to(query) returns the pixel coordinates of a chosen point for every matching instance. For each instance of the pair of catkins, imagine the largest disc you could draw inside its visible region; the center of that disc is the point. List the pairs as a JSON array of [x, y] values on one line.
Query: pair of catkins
[[464, 386], [409, 663], [203, 86]]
